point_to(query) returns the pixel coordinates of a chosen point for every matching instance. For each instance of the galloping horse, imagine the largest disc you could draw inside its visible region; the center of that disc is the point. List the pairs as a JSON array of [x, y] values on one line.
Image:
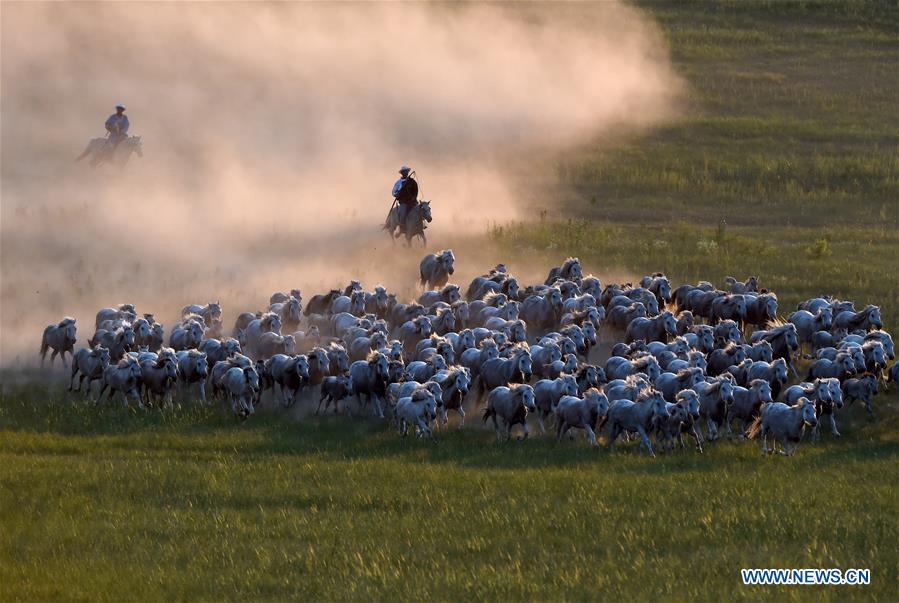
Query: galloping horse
[[415, 223], [99, 151]]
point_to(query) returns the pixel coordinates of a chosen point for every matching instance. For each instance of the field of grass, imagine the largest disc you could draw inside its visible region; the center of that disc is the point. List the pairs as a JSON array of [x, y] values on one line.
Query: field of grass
[[784, 165], [112, 504]]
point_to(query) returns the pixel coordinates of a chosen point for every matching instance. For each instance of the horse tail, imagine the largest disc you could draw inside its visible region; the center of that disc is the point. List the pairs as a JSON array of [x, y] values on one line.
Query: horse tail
[[756, 426], [488, 412]]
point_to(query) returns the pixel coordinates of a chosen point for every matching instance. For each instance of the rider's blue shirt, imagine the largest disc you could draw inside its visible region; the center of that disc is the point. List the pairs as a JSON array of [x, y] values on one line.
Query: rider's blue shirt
[[117, 120]]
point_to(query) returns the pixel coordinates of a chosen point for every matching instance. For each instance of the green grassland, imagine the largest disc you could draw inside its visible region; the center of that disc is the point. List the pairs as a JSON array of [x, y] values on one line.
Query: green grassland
[[785, 166], [113, 504]]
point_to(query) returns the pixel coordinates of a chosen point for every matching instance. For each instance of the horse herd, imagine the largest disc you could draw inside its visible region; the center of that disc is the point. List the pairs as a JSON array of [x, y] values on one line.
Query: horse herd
[[690, 361]]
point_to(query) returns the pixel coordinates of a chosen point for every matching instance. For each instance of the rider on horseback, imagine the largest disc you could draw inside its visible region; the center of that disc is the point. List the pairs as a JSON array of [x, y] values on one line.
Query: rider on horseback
[[117, 126], [405, 194]]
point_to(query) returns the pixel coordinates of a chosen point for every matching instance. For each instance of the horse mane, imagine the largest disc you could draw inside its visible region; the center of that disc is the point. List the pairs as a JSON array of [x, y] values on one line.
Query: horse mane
[[569, 262], [68, 320], [731, 347], [493, 297], [373, 356], [644, 361], [646, 394], [486, 342], [684, 373]]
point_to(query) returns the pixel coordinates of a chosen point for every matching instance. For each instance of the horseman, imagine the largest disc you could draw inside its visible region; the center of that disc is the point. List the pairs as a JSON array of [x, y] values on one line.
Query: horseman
[[405, 194], [117, 127]]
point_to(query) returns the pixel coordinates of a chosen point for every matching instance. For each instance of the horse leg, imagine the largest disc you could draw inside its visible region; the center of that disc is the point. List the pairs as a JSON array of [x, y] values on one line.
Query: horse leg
[[524, 426], [613, 435], [833, 425], [376, 402], [591, 436], [644, 441], [461, 416]]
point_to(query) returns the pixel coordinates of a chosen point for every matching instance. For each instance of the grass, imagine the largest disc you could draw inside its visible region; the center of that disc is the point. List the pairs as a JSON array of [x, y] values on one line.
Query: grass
[[188, 505], [784, 165]]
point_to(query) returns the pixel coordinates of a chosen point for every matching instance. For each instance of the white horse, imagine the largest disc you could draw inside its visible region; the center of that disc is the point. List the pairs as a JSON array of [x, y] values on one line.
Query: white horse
[[784, 423], [61, 338], [509, 406], [416, 219], [581, 413]]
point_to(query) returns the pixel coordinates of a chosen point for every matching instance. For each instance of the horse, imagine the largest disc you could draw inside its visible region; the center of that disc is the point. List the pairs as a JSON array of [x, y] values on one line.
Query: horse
[[370, 377], [862, 388], [657, 328], [784, 423], [334, 389], [118, 342], [548, 392], [61, 338], [291, 373], [714, 400], [270, 344], [267, 323], [625, 415], [321, 303], [208, 312], [99, 151], [240, 386], [159, 378], [865, 320], [543, 311], [503, 371], [761, 310], [581, 413], [570, 270], [454, 385], [419, 410], [784, 341], [124, 377], [416, 219], [186, 336], [775, 373], [670, 384], [353, 303], [448, 294], [807, 324], [510, 406], [750, 286], [474, 358], [747, 402], [91, 363], [290, 312], [436, 268], [619, 368], [620, 317], [193, 367]]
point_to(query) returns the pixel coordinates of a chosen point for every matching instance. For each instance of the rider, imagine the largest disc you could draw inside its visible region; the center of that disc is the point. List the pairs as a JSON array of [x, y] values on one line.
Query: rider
[[117, 126], [405, 192]]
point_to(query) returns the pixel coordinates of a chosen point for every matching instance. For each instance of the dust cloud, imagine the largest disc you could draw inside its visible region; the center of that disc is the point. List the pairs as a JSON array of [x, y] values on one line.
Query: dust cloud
[[272, 134]]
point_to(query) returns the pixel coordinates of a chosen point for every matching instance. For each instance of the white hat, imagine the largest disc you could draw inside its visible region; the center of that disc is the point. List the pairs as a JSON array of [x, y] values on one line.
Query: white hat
[[405, 169], [120, 106]]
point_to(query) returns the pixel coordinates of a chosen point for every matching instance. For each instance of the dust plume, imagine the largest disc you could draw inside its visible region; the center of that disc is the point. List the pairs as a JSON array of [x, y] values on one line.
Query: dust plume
[[272, 135]]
